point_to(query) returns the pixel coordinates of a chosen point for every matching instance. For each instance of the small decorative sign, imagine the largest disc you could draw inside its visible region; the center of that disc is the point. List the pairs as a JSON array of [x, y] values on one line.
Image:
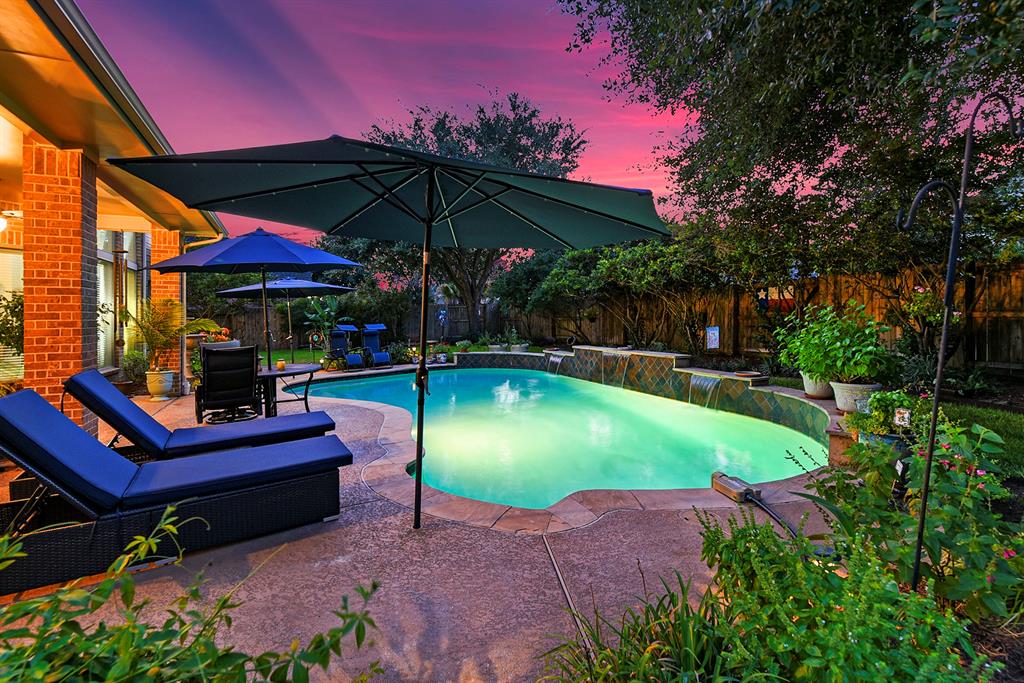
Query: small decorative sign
[[712, 334], [901, 418]]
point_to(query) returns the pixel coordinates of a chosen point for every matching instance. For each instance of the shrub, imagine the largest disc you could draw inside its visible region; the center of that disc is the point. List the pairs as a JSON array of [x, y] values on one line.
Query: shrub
[[12, 322], [796, 618], [973, 556], [881, 415], [665, 639], [828, 345], [401, 352], [134, 366], [61, 636]]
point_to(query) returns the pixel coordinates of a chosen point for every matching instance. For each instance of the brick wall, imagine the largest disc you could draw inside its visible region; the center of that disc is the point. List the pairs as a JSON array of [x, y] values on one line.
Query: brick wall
[[164, 244], [59, 238]]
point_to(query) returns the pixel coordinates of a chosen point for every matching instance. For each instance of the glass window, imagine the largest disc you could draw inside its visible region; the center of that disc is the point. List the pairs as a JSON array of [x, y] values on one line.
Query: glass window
[[12, 365], [105, 240]]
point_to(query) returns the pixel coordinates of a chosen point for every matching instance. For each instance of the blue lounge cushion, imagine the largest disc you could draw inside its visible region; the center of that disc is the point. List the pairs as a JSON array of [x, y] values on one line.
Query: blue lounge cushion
[[168, 481], [382, 358], [193, 440], [49, 443], [96, 393], [354, 360]]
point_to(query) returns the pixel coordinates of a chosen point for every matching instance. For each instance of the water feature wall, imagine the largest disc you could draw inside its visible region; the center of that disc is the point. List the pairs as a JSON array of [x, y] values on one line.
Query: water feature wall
[[667, 375]]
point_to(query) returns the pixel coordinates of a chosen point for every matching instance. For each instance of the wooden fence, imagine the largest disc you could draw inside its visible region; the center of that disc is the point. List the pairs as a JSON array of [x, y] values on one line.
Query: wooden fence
[[991, 336]]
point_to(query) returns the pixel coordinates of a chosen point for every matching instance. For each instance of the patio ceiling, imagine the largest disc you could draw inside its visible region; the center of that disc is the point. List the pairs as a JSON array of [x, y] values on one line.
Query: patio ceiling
[[59, 81]]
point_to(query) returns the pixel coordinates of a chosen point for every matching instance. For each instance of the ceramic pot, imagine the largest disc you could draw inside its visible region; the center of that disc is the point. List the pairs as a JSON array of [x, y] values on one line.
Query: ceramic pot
[[160, 384], [495, 348], [815, 389], [847, 395]]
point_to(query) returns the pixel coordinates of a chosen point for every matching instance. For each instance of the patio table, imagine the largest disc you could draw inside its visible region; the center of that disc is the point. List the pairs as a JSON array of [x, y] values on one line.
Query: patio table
[[268, 378]]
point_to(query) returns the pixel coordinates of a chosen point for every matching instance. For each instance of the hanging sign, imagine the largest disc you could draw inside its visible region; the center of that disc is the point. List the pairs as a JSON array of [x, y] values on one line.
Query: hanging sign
[[712, 335]]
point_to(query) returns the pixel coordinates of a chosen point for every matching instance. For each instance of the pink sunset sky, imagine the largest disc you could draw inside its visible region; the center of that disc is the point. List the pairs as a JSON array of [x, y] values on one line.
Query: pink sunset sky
[[237, 73]]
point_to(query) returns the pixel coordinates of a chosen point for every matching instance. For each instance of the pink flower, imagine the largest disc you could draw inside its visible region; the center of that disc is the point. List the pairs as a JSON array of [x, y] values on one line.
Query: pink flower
[[945, 463], [989, 578], [1008, 553], [919, 289], [945, 446], [924, 394], [981, 473], [920, 453], [981, 486]]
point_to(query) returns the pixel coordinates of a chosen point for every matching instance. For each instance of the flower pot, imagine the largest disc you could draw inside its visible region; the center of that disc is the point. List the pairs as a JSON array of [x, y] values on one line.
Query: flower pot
[[899, 443], [519, 348], [816, 389], [847, 395], [495, 347], [160, 384]]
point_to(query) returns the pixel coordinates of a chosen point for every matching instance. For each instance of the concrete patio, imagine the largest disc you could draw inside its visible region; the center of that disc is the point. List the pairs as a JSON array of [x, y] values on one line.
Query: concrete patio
[[456, 602]]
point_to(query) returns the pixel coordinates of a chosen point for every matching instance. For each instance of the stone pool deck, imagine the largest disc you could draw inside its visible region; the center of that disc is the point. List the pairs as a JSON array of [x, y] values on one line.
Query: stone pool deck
[[457, 601]]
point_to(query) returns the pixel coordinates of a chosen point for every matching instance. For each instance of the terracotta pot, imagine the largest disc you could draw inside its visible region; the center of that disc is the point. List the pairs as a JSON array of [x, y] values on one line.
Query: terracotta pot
[[847, 395], [160, 384], [815, 389]]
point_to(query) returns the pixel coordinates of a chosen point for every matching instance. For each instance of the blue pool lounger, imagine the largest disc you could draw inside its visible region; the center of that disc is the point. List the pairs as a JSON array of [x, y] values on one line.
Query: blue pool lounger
[[105, 500], [101, 397], [371, 340]]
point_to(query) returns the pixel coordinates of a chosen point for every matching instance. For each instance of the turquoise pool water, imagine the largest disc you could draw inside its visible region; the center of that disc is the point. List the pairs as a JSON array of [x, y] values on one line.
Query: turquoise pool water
[[528, 438]]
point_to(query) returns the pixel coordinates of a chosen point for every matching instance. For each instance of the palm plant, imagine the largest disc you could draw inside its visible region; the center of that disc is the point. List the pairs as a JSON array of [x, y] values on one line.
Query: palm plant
[[159, 324]]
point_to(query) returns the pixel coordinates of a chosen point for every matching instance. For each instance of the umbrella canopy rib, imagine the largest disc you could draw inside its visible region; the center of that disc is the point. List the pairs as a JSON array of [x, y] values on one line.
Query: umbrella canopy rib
[[208, 203], [389, 193], [377, 199]]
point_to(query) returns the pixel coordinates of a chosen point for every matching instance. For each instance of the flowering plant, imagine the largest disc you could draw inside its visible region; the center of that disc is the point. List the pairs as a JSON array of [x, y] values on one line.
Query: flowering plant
[[221, 335], [971, 553]]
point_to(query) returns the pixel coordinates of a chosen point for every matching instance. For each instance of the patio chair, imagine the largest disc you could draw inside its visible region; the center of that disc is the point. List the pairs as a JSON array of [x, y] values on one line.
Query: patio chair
[[155, 441], [104, 500], [229, 388], [339, 352], [371, 340]]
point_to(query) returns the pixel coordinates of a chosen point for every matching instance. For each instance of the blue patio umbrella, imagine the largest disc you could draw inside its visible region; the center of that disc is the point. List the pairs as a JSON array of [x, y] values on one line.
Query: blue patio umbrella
[[343, 186], [258, 251], [287, 289]]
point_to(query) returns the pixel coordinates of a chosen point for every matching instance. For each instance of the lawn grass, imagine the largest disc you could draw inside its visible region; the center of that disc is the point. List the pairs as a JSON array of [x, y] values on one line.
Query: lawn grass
[[1008, 425], [790, 382]]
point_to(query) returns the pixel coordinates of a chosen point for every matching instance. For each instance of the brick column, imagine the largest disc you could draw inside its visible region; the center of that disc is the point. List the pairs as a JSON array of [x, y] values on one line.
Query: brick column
[[164, 245], [59, 201]]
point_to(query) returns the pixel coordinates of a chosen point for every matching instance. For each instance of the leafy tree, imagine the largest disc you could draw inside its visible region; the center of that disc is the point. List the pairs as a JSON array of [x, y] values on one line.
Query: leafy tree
[[570, 291], [516, 287], [813, 122], [201, 293], [509, 132]]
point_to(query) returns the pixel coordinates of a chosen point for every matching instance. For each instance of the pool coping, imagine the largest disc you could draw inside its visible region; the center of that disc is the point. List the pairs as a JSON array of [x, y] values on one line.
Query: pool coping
[[386, 476]]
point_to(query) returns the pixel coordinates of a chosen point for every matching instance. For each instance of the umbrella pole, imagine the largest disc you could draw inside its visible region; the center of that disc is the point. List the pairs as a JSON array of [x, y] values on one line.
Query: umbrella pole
[[266, 318], [421, 368], [291, 337]]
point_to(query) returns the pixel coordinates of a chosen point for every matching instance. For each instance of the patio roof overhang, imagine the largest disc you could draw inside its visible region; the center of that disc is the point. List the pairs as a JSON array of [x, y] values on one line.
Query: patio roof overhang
[[58, 79]]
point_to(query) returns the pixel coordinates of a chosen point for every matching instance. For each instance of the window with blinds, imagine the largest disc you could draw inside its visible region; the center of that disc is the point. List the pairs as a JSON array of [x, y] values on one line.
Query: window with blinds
[[12, 365]]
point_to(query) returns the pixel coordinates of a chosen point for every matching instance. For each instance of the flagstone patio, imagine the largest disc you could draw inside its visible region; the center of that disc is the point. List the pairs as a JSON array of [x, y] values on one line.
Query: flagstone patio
[[456, 601]]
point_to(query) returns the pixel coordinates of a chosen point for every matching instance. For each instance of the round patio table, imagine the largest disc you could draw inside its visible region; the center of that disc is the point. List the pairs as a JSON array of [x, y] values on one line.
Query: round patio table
[[268, 378]]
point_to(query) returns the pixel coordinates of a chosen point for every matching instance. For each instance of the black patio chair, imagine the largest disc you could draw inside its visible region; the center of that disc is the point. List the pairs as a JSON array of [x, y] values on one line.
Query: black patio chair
[[229, 388]]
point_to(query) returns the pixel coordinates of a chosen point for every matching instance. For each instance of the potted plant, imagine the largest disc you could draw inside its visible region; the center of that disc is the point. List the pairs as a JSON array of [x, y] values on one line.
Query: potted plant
[[852, 343], [515, 343], [492, 343], [799, 348], [133, 369], [159, 325], [889, 419]]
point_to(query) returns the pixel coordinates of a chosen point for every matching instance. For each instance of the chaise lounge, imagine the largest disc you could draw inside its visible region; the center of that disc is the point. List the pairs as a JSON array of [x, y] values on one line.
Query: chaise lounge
[[105, 499], [156, 441]]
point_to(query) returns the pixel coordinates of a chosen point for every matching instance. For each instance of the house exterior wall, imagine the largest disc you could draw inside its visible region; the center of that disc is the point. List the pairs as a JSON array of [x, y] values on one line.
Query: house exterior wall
[[166, 244]]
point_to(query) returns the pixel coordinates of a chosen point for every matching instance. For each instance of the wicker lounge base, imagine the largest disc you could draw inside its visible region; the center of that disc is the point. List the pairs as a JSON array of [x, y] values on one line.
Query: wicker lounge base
[[83, 547]]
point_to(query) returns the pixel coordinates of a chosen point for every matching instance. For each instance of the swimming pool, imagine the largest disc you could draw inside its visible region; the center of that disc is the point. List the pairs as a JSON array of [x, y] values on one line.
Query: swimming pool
[[529, 438]]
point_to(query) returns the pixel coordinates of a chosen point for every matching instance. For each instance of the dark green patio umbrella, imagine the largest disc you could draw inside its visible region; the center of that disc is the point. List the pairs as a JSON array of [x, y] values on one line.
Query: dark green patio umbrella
[[342, 186]]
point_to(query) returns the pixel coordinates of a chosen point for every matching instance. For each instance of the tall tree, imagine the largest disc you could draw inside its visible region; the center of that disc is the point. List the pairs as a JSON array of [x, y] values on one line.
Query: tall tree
[[856, 102], [510, 132]]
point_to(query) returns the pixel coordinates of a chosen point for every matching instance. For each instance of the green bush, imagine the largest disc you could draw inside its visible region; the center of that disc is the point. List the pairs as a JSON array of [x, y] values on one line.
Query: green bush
[[776, 611], [134, 366], [829, 345], [789, 616], [881, 415], [972, 555], [62, 637], [12, 321]]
